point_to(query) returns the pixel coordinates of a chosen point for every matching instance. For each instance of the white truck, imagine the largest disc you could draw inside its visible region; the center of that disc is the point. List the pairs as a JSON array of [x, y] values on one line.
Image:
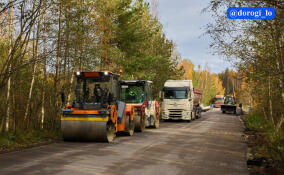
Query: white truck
[[180, 100]]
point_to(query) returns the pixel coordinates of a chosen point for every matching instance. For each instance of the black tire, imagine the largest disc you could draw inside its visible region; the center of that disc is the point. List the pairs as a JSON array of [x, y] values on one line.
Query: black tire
[[110, 131], [129, 125], [139, 122], [188, 121], [197, 113], [156, 123], [199, 116], [223, 112]]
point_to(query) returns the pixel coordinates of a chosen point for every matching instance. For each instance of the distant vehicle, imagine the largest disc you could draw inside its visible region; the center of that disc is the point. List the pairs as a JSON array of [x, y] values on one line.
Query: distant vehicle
[[218, 101], [229, 105], [180, 100]]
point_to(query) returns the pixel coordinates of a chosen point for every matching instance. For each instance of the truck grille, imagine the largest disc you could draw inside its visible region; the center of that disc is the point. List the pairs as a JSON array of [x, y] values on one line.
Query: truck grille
[[175, 113]]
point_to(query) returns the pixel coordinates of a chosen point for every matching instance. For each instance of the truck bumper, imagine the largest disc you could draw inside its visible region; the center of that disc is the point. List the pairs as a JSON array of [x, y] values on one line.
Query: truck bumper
[[184, 115]]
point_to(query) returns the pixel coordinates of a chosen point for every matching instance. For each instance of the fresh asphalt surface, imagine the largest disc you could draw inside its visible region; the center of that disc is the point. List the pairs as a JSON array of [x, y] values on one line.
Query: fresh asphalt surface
[[212, 144]]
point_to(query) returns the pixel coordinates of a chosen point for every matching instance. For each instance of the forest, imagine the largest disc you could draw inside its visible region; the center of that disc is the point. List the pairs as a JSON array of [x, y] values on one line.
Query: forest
[[256, 47], [44, 41]]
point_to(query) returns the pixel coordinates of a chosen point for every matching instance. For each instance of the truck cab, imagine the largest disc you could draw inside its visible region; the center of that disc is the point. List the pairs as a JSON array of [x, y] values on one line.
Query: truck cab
[[218, 101], [178, 100]]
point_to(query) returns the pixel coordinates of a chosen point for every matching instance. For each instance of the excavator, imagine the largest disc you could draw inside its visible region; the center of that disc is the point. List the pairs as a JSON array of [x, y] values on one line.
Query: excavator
[[96, 113], [138, 93]]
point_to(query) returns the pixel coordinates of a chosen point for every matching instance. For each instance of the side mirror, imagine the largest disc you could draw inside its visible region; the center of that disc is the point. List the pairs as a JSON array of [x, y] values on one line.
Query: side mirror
[[63, 97]]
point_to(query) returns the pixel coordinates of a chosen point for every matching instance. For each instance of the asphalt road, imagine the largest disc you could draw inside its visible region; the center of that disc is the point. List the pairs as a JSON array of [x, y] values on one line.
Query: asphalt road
[[211, 145]]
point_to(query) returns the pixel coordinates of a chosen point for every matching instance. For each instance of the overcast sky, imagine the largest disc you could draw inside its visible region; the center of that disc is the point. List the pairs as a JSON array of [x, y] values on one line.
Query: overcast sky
[[184, 23]]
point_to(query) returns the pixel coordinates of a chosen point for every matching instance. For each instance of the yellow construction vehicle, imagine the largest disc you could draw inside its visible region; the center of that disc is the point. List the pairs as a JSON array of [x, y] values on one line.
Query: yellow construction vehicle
[[96, 114]]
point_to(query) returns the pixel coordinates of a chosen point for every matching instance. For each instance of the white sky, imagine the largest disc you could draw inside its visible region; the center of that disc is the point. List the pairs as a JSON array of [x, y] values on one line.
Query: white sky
[[184, 23]]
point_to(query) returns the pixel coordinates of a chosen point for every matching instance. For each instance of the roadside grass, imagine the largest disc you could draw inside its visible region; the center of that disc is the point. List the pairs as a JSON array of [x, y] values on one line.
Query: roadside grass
[[27, 138], [270, 143]]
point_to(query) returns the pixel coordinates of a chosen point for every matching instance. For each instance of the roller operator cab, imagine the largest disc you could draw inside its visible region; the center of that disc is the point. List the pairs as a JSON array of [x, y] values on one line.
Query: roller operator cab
[[96, 113], [229, 105], [180, 100], [138, 93]]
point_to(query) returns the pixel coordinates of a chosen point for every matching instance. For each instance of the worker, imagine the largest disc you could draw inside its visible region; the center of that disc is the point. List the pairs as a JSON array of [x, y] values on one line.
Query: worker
[[98, 92], [87, 95]]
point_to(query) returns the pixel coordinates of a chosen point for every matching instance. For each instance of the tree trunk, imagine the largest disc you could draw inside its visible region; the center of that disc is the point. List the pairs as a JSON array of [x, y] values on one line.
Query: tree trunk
[[270, 100], [44, 80], [8, 105], [35, 58], [44, 74], [11, 36]]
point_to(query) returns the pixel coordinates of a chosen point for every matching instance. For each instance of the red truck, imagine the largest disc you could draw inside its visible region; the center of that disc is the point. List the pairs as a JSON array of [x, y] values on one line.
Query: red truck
[[218, 101]]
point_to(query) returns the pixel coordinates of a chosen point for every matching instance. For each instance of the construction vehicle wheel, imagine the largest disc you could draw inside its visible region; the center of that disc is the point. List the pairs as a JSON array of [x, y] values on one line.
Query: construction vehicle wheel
[[129, 124], [139, 123], [157, 123], [110, 131]]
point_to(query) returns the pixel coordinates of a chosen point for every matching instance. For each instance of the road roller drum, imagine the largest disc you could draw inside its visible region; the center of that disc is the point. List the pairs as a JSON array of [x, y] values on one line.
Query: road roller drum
[[87, 131]]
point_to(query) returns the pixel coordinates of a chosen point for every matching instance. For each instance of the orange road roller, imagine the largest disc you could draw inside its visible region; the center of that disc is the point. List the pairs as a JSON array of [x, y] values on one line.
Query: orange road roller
[[96, 113]]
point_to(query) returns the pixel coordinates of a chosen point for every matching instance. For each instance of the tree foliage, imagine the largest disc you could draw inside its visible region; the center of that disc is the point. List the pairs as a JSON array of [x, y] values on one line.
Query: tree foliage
[[44, 41], [256, 47], [209, 83]]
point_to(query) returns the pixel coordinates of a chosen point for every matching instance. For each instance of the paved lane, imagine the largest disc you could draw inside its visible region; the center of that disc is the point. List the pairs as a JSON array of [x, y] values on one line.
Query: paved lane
[[210, 145]]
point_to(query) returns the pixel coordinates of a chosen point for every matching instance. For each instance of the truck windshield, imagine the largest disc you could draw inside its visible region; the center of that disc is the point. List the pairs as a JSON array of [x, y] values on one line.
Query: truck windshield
[[132, 93], [219, 99], [173, 94]]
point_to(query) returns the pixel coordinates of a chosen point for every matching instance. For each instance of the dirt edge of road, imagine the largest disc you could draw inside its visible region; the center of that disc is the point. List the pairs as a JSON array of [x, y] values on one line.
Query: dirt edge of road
[[258, 165], [29, 146]]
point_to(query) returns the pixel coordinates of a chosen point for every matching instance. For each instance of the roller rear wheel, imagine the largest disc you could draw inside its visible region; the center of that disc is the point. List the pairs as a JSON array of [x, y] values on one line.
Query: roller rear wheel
[[139, 122], [110, 132], [157, 122], [129, 124]]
